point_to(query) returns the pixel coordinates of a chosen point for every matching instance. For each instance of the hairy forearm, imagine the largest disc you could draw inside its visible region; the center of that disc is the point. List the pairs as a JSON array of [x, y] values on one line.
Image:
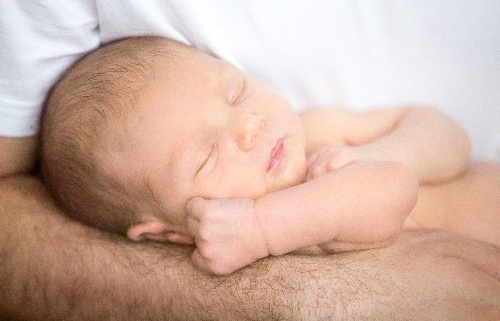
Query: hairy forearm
[[17, 155], [55, 269]]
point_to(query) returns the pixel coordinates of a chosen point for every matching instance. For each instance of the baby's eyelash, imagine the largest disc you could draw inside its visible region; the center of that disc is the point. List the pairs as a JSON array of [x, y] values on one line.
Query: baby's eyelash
[[241, 94], [210, 160]]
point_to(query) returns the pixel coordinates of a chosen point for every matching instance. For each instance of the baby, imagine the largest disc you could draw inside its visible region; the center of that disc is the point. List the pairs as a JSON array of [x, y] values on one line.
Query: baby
[[160, 141]]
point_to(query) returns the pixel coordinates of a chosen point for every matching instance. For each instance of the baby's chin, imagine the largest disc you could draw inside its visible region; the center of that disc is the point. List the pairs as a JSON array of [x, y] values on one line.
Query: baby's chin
[[293, 175], [297, 174]]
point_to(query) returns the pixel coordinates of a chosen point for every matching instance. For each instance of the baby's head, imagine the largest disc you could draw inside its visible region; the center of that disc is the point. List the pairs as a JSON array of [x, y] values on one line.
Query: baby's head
[[140, 126]]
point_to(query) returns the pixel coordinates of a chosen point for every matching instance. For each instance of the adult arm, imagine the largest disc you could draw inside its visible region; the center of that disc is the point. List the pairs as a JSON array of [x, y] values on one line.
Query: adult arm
[[54, 268], [17, 155], [433, 144]]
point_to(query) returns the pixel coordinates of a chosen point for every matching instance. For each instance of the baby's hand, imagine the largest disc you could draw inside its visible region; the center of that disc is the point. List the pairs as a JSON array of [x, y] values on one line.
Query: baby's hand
[[228, 236], [330, 158]]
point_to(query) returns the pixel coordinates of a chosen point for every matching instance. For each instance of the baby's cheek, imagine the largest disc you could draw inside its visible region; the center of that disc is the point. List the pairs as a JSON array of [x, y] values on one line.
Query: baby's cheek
[[247, 186]]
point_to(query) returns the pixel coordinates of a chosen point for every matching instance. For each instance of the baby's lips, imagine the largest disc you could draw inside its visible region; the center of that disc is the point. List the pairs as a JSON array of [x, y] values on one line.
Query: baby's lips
[[277, 154]]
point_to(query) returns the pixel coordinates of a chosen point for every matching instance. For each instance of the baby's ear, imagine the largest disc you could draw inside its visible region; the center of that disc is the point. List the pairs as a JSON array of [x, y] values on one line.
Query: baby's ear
[[156, 230]]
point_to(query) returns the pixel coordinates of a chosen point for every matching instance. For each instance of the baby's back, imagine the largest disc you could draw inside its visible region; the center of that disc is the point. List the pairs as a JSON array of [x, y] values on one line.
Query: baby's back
[[467, 205]]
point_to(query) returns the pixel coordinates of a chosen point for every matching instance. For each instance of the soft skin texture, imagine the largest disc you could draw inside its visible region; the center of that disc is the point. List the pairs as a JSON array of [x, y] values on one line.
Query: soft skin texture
[[201, 128], [226, 151], [424, 138], [231, 233], [54, 268], [65, 271]]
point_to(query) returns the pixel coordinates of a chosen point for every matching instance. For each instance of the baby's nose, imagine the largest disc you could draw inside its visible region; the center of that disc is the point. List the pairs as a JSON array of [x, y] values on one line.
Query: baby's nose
[[247, 127]]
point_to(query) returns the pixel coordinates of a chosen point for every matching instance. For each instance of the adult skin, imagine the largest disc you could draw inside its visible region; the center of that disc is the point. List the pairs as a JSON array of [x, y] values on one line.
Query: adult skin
[[57, 269]]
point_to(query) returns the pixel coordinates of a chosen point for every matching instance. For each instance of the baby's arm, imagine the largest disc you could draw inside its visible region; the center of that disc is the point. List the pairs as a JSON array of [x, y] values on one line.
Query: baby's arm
[[434, 145], [360, 206]]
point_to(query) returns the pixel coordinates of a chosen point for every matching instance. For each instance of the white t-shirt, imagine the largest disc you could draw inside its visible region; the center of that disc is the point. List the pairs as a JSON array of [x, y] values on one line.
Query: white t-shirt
[[355, 54]]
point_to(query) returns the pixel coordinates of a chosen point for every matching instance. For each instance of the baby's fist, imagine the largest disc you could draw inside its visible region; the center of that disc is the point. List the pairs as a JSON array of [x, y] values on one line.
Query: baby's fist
[[226, 233]]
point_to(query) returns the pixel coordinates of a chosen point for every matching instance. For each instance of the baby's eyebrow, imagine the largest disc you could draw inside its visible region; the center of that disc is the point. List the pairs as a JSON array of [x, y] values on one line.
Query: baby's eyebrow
[[227, 74]]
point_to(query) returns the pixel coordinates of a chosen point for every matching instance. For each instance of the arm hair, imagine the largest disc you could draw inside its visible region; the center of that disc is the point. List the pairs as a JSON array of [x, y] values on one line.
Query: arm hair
[[56, 269]]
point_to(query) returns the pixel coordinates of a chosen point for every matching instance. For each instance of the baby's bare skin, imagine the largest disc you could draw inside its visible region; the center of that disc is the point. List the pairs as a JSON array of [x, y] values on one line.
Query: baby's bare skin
[[468, 205], [448, 200]]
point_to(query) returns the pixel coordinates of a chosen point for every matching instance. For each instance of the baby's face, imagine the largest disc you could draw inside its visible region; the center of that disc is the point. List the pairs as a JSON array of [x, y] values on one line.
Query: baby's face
[[208, 129]]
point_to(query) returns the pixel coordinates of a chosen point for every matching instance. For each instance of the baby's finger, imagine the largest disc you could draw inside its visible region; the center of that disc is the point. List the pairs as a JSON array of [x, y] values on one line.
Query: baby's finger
[[315, 171], [210, 266], [312, 159], [193, 225], [339, 162], [196, 205], [199, 261]]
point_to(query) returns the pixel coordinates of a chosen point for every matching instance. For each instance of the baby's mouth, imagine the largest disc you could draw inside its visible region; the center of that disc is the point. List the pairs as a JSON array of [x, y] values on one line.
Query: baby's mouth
[[277, 154]]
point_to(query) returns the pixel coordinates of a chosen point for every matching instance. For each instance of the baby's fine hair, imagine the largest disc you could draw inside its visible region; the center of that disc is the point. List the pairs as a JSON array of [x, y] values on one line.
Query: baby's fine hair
[[100, 90]]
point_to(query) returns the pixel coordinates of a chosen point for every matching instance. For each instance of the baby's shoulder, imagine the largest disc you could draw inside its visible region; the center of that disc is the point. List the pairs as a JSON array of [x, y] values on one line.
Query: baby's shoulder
[[322, 126]]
